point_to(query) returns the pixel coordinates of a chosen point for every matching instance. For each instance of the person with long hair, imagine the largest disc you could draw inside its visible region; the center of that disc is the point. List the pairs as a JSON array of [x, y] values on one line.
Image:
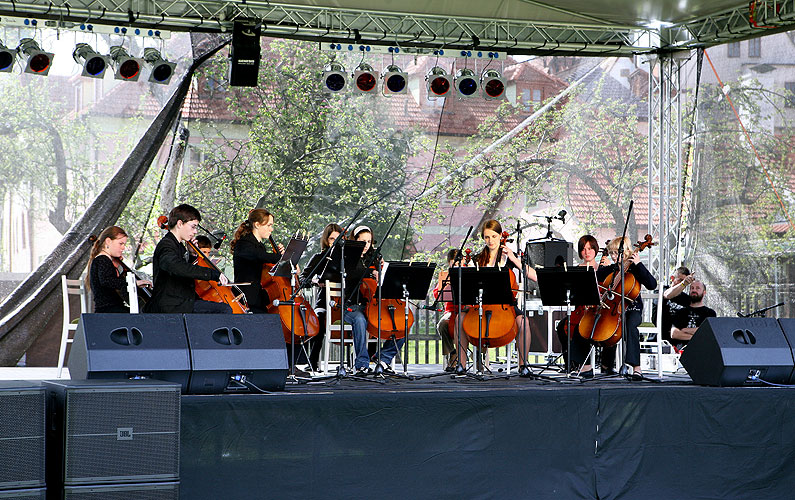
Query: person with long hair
[[496, 254], [174, 275], [106, 276], [249, 253]]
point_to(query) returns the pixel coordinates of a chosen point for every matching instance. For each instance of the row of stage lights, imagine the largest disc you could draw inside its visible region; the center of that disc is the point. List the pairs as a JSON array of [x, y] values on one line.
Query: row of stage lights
[[439, 84], [125, 67]]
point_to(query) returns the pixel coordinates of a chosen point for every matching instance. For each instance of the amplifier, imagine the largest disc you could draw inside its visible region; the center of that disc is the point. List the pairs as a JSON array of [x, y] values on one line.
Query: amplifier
[[146, 491], [22, 435]]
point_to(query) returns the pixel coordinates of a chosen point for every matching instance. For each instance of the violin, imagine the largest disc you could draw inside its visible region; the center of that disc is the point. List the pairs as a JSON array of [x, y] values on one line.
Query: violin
[[602, 324], [498, 326], [281, 288]]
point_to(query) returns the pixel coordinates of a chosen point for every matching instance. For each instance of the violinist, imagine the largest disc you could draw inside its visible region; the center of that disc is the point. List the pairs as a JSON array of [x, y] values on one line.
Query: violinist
[[444, 326], [634, 310], [106, 275], [496, 253], [327, 238], [174, 275]]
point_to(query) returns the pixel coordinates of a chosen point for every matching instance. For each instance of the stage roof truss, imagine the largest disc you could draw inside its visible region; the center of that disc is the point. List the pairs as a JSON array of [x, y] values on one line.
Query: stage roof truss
[[555, 30]]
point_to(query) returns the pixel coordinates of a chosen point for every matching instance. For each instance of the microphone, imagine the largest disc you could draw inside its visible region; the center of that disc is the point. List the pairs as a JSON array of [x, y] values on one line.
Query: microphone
[[219, 238], [562, 216]]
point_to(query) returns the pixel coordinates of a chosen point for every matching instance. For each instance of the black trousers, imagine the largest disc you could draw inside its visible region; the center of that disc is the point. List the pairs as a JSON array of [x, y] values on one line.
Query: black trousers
[[581, 347]]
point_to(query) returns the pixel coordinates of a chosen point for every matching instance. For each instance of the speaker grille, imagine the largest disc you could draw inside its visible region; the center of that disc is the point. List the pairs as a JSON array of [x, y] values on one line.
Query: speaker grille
[[36, 494], [156, 491], [121, 435], [22, 428]]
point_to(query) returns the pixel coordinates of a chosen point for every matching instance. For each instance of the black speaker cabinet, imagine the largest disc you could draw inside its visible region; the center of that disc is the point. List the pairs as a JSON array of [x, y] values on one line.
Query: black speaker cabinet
[[244, 56], [22, 431], [111, 346], [148, 491], [112, 431], [550, 253], [29, 494], [730, 351], [229, 351]]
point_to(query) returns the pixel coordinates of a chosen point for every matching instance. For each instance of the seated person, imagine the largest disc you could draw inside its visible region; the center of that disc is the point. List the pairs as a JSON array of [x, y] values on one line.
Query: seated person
[[675, 299], [687, 320]]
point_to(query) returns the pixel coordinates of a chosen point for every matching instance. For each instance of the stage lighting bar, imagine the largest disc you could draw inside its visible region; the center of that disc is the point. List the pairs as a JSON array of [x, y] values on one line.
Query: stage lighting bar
[[365, 79], [439, 83], [386, 49], [335, 80], [126, 68], [465, 84], [492, 84], [162, 70], [395, 81], [94, 64], [38, 62], [102, 29], [7, 58]]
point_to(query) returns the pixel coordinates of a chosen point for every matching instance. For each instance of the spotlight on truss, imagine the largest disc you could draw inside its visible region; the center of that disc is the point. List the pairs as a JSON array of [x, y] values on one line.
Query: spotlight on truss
[[334, 78], [439, 83], [465, 83], [365, 79], [492, 84], [162, 70], [126, 67], [94, 64], [7, 58], [38, 62], [395, 81]]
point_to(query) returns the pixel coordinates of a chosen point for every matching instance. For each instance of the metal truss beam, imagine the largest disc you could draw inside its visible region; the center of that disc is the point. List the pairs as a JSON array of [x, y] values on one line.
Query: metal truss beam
[[349, 25]]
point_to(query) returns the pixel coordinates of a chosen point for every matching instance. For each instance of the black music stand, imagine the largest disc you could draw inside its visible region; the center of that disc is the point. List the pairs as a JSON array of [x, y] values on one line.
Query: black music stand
[[289, 259], [486, 285], [560, 286], [404, 281]]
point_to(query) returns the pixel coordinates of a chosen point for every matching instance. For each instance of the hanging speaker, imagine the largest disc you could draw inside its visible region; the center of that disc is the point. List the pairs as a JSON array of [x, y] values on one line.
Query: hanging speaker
[[738, 351], [244, 55]]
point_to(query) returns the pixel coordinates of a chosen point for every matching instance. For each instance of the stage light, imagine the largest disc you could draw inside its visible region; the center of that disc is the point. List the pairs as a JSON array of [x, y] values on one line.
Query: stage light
[[7, 58], [38, 61], [465, 83], [334, 78], [395, 81], [439, 84], [162, 70], [94, 65], [492, 84], [365, 79], [126, 67]]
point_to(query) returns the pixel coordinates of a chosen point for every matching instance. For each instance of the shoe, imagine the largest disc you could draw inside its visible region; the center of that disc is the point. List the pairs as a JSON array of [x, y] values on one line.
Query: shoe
[[362, 372], [525, 371], [587, 374], [301, 373], [386, 369], [608, 371], [636, 376], [452, 362]]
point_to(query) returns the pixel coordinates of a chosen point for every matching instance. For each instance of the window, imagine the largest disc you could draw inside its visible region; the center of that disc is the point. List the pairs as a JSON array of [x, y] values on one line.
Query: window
[[755, 47], [733, 49], [537, 95], [790, 88]]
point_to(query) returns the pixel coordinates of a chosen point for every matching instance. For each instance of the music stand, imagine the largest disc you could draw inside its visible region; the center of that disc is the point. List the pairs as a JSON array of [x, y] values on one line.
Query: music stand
[[560, 286], [404, 281], [289, 259], [486, 285]]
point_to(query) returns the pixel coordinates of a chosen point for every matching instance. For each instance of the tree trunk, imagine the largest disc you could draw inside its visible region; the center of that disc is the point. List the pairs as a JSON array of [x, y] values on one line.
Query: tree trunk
[[168, 191], [57, 216]]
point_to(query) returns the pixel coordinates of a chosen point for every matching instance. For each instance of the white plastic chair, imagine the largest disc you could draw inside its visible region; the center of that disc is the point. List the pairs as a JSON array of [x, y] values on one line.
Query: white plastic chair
[[333, 296], [70, 287]]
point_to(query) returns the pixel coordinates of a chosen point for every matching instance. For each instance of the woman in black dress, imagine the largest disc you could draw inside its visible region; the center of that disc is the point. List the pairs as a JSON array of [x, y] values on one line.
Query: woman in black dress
[[106, 276]]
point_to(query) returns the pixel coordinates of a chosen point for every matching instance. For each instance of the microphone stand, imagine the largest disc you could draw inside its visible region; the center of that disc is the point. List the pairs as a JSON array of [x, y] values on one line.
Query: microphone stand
[[623, 294], [524, 371], [459, 369]]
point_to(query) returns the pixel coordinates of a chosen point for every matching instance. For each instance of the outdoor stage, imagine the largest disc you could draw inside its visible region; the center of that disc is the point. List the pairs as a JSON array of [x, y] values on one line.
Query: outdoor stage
[[518, 438]]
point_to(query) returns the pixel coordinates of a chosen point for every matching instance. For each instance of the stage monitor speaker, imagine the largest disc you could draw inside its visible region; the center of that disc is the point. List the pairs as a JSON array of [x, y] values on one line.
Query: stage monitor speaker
[[27, 494], [550, 253], [738, 351], [112, 346], [22, 435], [231, 352], [788, 327], [112, 431], [244, 55], [147, 491]]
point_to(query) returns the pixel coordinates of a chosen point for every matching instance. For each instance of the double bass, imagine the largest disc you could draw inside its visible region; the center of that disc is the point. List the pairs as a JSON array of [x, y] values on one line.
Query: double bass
[[602, 324], [281, 288], [498, 325]]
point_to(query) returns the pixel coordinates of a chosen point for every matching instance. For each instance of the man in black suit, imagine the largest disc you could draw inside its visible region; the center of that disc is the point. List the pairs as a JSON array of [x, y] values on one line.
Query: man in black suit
[[174, 274]]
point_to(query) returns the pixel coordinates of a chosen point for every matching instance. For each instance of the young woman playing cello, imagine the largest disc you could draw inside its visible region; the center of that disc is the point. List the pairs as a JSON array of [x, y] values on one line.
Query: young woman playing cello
[[106, 276], [491, 232]]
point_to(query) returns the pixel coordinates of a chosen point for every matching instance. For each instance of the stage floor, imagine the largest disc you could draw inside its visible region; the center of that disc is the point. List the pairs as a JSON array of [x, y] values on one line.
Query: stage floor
[[447, 437]]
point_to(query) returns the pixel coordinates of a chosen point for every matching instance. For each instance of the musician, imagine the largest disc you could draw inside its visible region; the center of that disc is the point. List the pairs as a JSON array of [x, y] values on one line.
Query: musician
[[249, 254], [587, 249], [491, 232], [174, 275], [675, 299], [391, 346], [634, 310], [687, 320], [106, 276], [327, 238], [443, 327]]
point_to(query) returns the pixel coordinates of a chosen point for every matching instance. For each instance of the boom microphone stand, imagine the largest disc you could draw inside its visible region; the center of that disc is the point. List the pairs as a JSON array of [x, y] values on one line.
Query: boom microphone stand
[[623, 295]]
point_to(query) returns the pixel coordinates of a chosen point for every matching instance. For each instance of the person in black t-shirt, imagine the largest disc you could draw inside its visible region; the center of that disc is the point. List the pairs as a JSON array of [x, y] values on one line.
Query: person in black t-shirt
[[674, 299], [106, 275], [687, 320]]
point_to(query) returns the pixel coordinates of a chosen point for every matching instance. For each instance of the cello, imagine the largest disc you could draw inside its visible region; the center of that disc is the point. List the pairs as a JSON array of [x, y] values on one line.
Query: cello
[[579, 311], [392, 312], [212, 291], [602, 324], [498, 325], [281, 288]]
